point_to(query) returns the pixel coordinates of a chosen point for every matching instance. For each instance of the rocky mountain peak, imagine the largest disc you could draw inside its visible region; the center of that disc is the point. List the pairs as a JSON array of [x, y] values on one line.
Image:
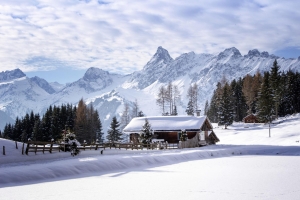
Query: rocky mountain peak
[[10, 75], [92, 74], [161, 55], [229, 53], [253, 53], [264, 54]]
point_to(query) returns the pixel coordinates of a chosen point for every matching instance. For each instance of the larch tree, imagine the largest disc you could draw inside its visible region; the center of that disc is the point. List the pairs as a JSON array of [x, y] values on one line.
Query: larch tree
[[135, 109], [169, 97], [176, 99], [162, 98], [251, 85], [126, 117], [81, 122]]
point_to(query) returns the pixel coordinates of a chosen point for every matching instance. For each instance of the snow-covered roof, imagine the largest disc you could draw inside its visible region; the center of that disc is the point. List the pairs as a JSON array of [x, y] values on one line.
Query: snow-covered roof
[[166, 123]]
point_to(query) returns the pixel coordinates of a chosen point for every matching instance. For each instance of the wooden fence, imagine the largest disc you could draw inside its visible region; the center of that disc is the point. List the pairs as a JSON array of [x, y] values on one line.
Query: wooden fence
[[37, 146]]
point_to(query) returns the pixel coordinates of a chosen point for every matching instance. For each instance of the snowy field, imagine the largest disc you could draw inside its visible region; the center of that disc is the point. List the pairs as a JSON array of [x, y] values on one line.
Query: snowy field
[[246, 164]]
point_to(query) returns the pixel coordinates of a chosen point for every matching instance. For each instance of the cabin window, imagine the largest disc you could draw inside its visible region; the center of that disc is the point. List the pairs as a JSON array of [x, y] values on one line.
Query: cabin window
[[202, 135], [178, 135]]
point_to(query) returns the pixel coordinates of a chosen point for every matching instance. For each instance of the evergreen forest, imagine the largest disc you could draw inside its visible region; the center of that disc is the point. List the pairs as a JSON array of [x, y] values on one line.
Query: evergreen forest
[[268, 96], [55, 123]]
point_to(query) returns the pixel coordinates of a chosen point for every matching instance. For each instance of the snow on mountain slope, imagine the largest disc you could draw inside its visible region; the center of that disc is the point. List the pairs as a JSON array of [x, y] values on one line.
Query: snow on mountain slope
[[57, 86], [5, 119], [21, 96], [108, 92], [43, 84], [11, 75]]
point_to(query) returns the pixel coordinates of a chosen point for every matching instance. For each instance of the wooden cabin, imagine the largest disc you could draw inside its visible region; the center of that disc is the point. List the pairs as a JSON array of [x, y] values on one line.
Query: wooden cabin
[[170, 128], [251, 119]]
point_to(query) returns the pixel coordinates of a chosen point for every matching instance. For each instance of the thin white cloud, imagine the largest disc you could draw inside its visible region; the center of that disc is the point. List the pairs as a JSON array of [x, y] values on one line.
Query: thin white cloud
[[116, 35]]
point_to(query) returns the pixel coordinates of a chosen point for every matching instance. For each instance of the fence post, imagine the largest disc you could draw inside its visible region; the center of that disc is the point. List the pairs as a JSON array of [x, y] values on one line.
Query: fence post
[[50, 150], [23, 149], [16, 145], [3, 150]]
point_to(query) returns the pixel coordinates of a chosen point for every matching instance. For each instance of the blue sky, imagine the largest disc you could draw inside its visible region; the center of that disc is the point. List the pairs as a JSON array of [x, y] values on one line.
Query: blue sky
[[67, 37]]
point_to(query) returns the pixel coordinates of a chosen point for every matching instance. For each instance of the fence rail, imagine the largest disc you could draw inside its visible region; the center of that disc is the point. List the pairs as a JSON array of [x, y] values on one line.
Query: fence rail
[[37, 146]]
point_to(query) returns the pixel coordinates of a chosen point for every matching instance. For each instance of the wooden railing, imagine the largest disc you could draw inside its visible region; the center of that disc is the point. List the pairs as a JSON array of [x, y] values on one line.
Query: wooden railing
[[35, 146]]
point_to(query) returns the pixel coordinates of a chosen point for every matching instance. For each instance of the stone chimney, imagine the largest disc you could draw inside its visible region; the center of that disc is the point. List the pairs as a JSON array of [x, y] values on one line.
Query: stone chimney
[[198, 113]]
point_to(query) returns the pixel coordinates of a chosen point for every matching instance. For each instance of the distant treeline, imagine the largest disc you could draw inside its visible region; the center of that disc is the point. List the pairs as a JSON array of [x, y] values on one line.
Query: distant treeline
[[268, 96], [83, 120]]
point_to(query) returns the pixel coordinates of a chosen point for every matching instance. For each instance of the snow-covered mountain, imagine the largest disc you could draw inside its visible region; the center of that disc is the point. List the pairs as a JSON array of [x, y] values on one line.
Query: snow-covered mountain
[[11, 75], [108, 92], [43, 84]]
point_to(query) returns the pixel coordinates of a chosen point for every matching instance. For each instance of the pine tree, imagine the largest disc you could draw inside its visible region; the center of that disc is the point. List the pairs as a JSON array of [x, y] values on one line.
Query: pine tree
[[146, 134], [239, 102], [46, 125], [175, 111], [94, 126], [290, 96], [27, 127], [56, 126], [5, 131], [98, 127], [275, 86], [17, 131], [190, 109], [114, 134], [206, 107], [212, 111], [10, 131], [90, 128], [265, 100], [192, 95], [70, 123], [141, 114], [226, 108], [297, 92], [37, 129]]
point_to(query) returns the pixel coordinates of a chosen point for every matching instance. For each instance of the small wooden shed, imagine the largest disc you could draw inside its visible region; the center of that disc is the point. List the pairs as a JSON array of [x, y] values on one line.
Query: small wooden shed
[[252, 118]]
